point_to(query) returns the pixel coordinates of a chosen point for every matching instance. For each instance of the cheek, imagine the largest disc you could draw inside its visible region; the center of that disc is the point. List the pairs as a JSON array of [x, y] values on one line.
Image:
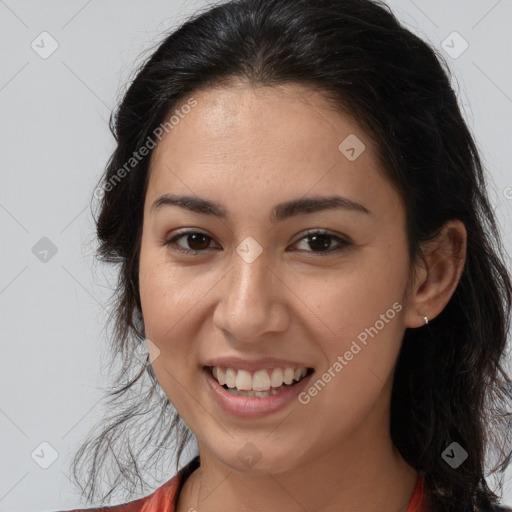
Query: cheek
[[358, 310], [160, 309], [152, 289], [360, 348], [355, 298], [162, 293], [170, 297], [165, 302]]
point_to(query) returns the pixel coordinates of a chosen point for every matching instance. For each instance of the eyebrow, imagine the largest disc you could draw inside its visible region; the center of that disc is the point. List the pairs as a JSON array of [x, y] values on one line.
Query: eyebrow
[[280, 212]]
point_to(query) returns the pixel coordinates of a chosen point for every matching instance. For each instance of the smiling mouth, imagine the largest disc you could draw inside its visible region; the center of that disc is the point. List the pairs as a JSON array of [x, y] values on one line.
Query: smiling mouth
[[259, 384]]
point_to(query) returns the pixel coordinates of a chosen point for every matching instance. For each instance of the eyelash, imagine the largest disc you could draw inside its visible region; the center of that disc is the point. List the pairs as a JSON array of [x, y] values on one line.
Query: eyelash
[[343, 244]]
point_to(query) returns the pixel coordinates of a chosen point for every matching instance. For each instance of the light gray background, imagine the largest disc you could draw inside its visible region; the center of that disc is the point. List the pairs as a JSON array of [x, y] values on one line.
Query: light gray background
[[54, 145]]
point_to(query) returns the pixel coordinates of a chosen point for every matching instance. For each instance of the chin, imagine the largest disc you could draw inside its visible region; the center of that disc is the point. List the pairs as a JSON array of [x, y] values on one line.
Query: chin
[[261, 460]]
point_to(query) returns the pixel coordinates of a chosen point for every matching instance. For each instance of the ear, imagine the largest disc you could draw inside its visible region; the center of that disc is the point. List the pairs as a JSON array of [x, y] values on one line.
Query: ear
[[437, 276]]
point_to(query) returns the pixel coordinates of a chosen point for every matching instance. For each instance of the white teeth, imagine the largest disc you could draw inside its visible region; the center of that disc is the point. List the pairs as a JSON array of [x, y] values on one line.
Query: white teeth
[[260, 382], [257, 394], [230, 378], [243, 380], [277, 378], [287, 375]]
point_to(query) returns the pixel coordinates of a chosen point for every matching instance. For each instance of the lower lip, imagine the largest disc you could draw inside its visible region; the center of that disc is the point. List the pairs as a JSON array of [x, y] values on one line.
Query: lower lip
[[250, 407]]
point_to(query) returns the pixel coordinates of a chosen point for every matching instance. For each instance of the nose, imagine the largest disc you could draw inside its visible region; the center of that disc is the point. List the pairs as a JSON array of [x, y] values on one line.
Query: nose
[[252, 301]]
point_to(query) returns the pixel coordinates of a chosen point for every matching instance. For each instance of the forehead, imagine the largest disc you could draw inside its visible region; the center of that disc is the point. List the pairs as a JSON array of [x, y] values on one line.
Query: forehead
[[260, 122], [269, 140]]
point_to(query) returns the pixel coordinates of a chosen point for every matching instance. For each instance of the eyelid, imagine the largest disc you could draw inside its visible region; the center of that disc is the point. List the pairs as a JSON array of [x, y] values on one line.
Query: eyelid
[[343, 240], [186, 231], [322, 231]]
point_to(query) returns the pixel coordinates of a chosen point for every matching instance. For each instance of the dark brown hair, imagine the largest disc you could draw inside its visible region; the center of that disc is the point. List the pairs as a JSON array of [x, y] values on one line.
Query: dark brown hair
[[449, 383]]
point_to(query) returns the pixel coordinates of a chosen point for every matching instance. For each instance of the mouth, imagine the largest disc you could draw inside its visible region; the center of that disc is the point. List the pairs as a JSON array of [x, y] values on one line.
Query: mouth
[[260, 383]]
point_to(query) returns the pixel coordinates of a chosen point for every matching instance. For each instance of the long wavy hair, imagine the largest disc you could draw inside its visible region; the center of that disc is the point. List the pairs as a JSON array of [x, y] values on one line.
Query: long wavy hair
[[449, 383]]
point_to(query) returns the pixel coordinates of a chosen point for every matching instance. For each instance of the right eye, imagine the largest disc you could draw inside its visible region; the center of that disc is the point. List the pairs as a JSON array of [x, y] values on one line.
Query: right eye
[[197, 242]]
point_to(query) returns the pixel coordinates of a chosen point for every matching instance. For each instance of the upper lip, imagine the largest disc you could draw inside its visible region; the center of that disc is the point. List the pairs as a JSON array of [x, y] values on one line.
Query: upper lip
[[238, 363]]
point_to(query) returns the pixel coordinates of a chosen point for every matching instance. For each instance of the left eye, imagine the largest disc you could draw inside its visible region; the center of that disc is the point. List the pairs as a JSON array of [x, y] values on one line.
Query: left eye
[[319, 240], [322, 240]]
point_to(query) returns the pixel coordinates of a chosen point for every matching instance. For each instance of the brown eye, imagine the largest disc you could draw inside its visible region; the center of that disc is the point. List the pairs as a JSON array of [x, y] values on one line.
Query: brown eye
[[198, 241], [319, 242], [195, 241]]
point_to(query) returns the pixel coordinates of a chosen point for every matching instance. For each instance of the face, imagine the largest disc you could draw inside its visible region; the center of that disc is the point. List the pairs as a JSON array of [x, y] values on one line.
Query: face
[[275, 276]]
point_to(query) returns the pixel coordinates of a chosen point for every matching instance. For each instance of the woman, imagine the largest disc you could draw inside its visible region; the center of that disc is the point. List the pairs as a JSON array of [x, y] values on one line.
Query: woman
[[308, 252]]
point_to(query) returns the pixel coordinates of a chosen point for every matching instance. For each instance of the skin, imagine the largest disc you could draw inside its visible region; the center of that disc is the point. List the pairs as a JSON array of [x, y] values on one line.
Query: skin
[[250, 149]]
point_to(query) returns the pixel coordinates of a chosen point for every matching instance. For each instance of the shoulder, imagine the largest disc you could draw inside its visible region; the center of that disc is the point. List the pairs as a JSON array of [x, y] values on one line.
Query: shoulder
[[163, 500], [132, 506], [140, 505]]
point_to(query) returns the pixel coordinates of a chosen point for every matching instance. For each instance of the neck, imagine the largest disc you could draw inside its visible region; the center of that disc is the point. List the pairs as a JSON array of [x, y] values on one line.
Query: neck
[[362, 472]]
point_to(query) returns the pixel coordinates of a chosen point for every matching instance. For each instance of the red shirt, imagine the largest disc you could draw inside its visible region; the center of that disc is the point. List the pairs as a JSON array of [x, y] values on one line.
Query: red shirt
[[165, 497]]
